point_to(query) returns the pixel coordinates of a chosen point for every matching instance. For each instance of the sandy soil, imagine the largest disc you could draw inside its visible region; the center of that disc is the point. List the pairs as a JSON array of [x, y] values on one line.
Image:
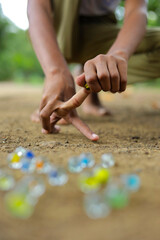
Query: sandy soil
[[132, 134]]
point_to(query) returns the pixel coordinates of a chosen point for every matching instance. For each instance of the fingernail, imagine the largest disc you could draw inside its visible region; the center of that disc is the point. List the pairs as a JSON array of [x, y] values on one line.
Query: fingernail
[[95, 137]]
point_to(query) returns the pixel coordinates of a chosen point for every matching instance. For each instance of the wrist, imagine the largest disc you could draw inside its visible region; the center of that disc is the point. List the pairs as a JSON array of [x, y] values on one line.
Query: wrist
[[119, 52], [63, 71]]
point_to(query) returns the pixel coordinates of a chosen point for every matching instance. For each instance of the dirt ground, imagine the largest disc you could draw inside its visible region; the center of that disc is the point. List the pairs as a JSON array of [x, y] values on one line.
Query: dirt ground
[[132, 134]]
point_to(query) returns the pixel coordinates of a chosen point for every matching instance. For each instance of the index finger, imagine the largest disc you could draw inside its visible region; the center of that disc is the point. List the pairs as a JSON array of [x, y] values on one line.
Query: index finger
[[73, 103]]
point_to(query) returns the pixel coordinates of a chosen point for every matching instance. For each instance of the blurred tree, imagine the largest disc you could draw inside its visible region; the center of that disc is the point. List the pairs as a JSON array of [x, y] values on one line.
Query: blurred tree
[[153, 12], [17, 58]]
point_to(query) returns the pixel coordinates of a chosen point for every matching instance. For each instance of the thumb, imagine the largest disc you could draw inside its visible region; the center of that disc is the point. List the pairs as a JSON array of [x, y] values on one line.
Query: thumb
[[80, 80]]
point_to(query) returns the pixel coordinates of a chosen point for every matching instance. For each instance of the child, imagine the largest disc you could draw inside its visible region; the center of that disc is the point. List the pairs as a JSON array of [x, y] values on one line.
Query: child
[[85, 31]]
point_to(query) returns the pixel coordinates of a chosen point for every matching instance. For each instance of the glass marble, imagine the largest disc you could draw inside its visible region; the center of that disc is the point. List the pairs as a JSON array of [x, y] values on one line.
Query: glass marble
[[20, 151], [7, 181], [35, 185], [57, 177], [74, 165], [88, 183], [41, 165], [116, 196], [107, 160], [29, 155], [87, 160], [14, 160], [132, 182], [27, 165], [18, 204], [101, 174], [96, 207]]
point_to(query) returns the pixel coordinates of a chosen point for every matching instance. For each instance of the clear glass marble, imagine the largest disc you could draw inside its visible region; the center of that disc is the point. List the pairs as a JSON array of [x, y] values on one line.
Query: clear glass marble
[[74, 165], [96, 207], [21, 152], [116, 195], [35, 185], [107, 160]]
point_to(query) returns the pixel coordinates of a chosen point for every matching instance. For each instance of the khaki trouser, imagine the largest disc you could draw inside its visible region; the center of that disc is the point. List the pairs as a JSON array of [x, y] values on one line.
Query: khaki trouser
[[97, 37]]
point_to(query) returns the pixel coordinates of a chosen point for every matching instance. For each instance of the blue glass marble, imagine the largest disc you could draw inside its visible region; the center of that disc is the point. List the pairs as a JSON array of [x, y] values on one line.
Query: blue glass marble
[[132, 182], [57, 177], [29, 155], [53, 174], [87, 160], [27, 165]]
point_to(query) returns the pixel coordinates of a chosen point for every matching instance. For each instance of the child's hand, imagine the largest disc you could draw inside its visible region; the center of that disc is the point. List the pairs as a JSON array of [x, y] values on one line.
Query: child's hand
[[58, 102], [105, 72]]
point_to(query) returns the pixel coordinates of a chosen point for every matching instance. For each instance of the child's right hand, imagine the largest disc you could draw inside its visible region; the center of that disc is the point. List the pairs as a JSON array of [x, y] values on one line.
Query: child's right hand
[[59, 101]]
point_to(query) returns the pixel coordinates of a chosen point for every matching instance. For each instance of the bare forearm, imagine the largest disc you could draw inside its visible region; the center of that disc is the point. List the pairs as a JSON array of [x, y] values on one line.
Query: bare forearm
[[131, 33], [43, 38]]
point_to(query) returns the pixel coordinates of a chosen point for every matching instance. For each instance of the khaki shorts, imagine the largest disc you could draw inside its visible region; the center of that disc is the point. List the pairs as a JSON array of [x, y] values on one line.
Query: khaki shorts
[[96, 37]]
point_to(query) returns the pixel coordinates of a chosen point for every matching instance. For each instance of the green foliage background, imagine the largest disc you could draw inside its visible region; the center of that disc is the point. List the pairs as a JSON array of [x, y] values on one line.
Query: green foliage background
[[17, 59]]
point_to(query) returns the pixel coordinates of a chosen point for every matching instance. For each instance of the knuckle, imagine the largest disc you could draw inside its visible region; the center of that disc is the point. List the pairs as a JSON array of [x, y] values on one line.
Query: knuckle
[[76, 102], [114, 76], [103, 76], [43, 114], [123, 61], [44, 98], [100, 57], [91, 80], [53, 100], [111, 58], [87, 63]]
